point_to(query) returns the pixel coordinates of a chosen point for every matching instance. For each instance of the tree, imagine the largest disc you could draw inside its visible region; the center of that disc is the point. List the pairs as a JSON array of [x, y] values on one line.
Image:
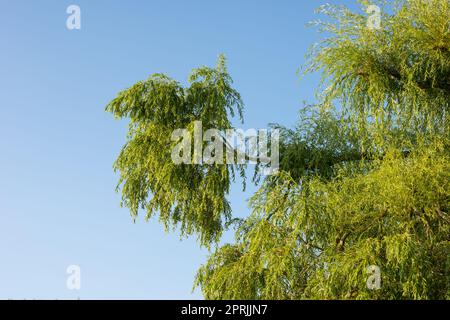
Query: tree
[[364, 177]]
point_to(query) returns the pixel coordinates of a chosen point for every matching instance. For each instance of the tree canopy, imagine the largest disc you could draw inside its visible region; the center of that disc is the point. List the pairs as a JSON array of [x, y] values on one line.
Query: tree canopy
[[364, 177]]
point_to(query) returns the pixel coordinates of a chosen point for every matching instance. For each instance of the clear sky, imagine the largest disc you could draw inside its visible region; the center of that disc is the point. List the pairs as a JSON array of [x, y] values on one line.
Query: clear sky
[[58, 205]]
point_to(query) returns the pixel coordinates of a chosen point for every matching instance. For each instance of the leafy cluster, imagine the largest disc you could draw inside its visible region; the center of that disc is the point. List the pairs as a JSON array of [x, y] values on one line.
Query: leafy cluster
[[368, 185], [316, 238], [393, 80]]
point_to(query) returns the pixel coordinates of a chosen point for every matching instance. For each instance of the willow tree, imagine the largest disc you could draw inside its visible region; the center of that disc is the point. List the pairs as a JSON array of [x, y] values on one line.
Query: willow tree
[[362, 185]]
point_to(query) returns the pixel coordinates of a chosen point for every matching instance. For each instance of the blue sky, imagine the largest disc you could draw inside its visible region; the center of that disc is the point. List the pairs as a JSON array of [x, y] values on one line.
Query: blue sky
[[58, 204]]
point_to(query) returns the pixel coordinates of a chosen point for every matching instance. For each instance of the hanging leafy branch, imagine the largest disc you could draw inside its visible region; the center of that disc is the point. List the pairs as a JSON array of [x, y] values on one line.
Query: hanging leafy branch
[[190, 197]]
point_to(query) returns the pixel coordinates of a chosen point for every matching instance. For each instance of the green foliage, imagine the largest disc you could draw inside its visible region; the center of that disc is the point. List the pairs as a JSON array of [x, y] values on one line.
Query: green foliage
[[364, 183], [395, 79], [317, 143], [315, 239], [369, 185], [191, 197]]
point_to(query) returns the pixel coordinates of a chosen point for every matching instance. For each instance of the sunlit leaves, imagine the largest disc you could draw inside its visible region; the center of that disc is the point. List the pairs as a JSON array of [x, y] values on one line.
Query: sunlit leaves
[[366, 186], [316, 239], [398, 76], [186, 196]]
